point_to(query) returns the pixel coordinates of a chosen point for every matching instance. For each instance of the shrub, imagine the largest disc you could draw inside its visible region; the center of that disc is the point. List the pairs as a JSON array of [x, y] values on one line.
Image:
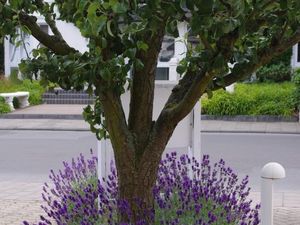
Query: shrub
[[186, 192], [252, 99], [4, 108], [35, 89], [224, 103], [296, 94], [274, 73], [278, 70]]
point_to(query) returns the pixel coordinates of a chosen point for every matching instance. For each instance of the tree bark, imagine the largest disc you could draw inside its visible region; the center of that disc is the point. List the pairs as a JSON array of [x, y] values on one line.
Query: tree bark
[[136, 184]]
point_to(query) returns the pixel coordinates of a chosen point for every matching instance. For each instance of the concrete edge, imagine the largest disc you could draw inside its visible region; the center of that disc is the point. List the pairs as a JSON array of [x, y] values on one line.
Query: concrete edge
[[42, 116], [203, 117], [202, 131], [46, 129], [246, 118], [250, 132]]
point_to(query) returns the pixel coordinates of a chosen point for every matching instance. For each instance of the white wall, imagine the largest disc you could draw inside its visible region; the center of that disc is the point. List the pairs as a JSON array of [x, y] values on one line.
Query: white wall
[[14, 55]]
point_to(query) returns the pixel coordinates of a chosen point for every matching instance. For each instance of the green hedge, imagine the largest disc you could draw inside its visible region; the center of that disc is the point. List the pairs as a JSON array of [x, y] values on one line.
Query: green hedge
[[1, 58], [252, 99], [296, 94], [274, 73], [278, 70]]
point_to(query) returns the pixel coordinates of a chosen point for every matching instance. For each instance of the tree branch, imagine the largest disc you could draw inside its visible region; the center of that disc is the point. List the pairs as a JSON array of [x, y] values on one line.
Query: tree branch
[[116, 123], [48, 18], [142, 90], [265, 56], [54, 43]]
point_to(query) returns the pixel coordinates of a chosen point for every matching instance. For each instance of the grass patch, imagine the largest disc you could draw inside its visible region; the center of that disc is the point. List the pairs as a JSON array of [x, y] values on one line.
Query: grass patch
[[252, 99], [4, 108]]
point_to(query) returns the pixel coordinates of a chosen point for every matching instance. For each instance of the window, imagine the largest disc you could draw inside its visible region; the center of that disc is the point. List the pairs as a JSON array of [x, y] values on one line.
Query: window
[[167, 49], [162, 73]]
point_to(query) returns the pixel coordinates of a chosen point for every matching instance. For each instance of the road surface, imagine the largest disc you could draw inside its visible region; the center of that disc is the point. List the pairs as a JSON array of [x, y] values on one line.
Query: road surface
[[248, 153], [27, 156]]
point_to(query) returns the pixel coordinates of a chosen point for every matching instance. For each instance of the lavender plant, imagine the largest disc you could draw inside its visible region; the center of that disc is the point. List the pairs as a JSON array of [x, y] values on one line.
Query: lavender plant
[[186, 192]]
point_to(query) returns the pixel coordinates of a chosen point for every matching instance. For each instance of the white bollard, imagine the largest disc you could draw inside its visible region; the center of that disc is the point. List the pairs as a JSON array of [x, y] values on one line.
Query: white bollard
[[270, 172]]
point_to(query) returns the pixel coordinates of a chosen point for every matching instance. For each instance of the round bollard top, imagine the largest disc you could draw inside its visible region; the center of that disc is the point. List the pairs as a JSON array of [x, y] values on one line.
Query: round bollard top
[[273, 170]]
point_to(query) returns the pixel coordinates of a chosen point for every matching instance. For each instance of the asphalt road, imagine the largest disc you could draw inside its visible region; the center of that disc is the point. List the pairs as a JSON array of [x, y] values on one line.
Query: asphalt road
[[29, 155], [248, 153]]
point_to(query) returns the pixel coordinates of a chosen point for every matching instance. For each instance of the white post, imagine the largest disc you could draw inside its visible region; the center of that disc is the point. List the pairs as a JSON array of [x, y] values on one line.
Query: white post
[[101, 154], [196, 132], [173, 75], [7, 57], [270, 172], [267, 201]]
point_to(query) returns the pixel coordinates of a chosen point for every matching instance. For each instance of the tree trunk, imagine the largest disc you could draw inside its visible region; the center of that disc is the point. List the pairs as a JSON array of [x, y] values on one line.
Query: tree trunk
[[135, 187]]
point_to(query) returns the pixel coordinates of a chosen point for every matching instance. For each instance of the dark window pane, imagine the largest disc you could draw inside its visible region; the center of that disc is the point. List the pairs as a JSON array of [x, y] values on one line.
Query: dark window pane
[[162, 73]]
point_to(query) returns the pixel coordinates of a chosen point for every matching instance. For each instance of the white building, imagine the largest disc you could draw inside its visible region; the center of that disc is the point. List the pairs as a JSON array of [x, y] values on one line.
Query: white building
[[172, 50]]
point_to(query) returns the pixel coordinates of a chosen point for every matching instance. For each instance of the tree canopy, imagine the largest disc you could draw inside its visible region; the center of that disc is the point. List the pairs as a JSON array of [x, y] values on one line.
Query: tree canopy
[[234, 38]]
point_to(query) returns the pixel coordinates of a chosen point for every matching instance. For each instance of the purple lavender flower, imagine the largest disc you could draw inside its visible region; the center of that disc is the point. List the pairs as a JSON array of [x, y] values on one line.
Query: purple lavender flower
[[186, 192]]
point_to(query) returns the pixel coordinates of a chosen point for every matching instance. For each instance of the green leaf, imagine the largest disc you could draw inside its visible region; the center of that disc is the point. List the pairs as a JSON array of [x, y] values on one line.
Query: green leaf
[[103, 42], [209, 93], [119, 8], [105, 73], [172, 28], [219, 62], [283, 4], [108, 26], [205, 6], [131, 53], [92, 11], [138, 64], [183, 4], [181, 69], [142, 45], [97, 22], [101, 22]]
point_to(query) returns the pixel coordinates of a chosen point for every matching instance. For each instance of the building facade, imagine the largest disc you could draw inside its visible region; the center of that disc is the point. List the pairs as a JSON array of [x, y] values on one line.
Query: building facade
[[172, 49]]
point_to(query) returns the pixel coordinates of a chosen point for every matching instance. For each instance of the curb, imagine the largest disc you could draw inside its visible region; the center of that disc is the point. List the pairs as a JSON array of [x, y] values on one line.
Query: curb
[[244, 118], [202, 131], [47, 129], [203, 117], [43, 116], [249, 132]]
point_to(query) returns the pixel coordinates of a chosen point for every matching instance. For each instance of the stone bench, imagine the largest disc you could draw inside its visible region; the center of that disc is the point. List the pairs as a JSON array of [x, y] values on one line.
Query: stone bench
[[22, 97]]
